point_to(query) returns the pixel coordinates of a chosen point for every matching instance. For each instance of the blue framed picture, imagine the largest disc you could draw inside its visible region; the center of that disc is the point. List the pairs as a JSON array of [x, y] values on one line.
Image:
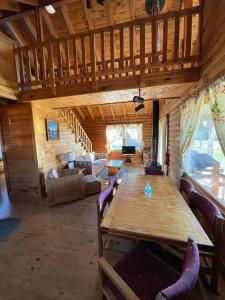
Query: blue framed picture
[[52, 129]]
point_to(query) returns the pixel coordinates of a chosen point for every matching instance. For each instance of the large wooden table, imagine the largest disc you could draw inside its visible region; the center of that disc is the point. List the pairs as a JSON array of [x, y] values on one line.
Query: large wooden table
[[163, 218]]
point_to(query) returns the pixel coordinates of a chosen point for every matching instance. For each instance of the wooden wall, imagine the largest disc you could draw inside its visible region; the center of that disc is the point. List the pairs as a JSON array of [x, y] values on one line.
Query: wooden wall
[[50, 153], [19, 151], [96, 130], [8, 84]]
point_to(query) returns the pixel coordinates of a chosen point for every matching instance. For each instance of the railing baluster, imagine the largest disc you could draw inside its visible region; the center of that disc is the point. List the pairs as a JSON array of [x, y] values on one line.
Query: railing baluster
[[51, 68], [93, 58], [176, 38], [121, 48], [142, 54], [189, 35], [112, 54], [43, 64], [103, 51], [75, 64], [28, 77], [60, 66], [67, 53], [21, 63], [131, 45], [165, 39], [83, 55], [153, 41], [36, 67]]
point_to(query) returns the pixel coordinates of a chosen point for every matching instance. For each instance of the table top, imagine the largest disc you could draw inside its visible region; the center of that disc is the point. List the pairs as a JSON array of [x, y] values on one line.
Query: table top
[[114, 163], [165, 217]]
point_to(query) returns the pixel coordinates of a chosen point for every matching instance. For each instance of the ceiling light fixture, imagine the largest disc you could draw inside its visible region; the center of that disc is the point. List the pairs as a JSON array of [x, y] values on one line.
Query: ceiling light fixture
[[139, 107], [50, 9], [139, 99]]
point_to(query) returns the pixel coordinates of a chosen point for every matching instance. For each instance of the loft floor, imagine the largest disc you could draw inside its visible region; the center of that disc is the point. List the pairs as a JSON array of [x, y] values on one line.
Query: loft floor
[[53, 254]]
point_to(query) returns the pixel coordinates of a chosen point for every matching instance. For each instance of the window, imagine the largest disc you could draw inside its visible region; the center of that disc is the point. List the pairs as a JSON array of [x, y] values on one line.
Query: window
[[205, 161], [124, 135]]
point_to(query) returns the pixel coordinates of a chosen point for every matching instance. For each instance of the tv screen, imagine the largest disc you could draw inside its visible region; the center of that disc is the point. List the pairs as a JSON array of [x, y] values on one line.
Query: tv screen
[[128, 150]]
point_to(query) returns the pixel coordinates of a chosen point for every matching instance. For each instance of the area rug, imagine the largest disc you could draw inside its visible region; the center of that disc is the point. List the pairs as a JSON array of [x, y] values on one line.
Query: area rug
[[105, 176], [7, 227]]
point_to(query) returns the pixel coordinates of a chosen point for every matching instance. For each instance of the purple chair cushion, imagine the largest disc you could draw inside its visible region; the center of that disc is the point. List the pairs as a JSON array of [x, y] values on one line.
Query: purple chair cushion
[[113, 181], [148, 276], [186, 186], [206, 207], [183, 287], [153, 171], [145, 274], [104, 198]]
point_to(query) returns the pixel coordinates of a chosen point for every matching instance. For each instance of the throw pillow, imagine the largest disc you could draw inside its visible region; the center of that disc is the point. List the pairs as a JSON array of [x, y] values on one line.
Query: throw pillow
[[52, 174]]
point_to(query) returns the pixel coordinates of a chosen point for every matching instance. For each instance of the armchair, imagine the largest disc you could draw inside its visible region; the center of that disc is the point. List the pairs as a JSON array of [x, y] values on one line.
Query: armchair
[[68, 186]]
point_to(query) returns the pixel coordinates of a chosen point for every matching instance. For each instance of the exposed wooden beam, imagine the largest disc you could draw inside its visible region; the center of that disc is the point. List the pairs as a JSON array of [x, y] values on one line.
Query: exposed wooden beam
[[112, 111], [70, 27], [101, 112], [110, 12], [90, 112], [49, 23], [88, 15], [30, 26], [9, 5], [15, 32], [29, 2], [80, 113]]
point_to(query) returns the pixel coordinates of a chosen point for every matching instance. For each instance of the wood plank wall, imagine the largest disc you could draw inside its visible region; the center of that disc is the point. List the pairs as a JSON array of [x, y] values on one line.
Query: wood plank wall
[[213, 66], [19, 151], [96, 130], [50, 153], [8, 85]]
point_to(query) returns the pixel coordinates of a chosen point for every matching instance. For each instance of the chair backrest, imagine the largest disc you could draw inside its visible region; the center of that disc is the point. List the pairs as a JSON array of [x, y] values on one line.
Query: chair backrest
[[113, 181], [189, 276], [207, 209], [186, 187], [153, 171], [103, 200]]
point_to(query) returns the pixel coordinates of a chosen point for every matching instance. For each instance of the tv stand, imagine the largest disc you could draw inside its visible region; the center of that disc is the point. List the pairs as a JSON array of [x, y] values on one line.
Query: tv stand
[[127, 158]]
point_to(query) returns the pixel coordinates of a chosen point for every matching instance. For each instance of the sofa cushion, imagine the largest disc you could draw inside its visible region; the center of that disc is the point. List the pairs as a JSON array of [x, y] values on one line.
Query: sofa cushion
[[92, 156], [52, 174], [92, 185]]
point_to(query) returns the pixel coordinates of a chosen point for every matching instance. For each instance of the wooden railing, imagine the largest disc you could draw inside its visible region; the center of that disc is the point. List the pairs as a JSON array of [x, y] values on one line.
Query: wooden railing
[[74, 124], [138, 49]]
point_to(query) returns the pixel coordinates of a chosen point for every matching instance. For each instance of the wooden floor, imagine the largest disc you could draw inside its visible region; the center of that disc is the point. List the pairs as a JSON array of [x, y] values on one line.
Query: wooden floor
[[53, 254]]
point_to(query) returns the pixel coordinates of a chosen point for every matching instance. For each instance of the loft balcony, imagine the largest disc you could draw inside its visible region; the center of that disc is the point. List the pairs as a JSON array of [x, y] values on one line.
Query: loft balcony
[[153, 51]]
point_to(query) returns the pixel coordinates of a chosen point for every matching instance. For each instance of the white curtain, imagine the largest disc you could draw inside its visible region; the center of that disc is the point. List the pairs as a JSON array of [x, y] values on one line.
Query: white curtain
[[135, 131], [162, 141]]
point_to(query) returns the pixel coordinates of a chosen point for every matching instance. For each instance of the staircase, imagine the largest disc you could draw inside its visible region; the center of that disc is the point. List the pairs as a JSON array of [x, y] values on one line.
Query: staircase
[[80, 134]]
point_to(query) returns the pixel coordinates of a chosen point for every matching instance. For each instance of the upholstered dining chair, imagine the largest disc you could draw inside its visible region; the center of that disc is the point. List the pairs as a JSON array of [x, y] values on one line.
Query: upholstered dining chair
[[153, 171], [113, 182], [211, 219], [103, 201], [140, 275], [186, 187]]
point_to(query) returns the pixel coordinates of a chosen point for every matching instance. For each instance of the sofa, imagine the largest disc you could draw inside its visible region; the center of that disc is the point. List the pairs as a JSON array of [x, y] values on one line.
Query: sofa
[[68, 185], [95, 162]]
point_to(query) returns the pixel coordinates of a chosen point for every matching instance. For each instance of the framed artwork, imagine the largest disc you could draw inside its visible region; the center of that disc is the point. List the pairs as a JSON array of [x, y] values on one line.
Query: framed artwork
[[52, 130]]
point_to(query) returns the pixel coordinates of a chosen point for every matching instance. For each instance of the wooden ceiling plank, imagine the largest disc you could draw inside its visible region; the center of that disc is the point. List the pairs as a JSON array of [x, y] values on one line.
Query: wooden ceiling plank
[[101, 112], [90, 112], [110, 12], [49, 24], [29, 2], [80, 113], [9, 5], [30, 26], [124, 111], [88, 15]]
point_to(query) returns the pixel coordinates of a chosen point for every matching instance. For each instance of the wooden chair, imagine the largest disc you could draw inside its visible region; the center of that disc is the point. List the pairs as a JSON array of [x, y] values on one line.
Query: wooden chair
[[139, 275], [153, 171], [186, 187], [212, 221]]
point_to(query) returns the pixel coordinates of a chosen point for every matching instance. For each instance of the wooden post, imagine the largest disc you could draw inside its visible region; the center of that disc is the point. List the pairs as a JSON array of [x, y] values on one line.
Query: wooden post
[[93, 60]]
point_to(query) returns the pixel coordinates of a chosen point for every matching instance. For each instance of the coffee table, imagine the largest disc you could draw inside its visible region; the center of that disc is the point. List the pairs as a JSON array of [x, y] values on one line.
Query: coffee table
[[114, 166]]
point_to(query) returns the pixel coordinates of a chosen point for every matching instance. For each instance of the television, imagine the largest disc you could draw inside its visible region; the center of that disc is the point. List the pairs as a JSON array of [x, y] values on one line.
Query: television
[[128, 150]]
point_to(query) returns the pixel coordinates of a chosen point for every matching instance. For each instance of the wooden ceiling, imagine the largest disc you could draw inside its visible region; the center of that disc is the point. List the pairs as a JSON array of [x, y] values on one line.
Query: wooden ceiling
[[108, 112], [174, 91], [72, 16]]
